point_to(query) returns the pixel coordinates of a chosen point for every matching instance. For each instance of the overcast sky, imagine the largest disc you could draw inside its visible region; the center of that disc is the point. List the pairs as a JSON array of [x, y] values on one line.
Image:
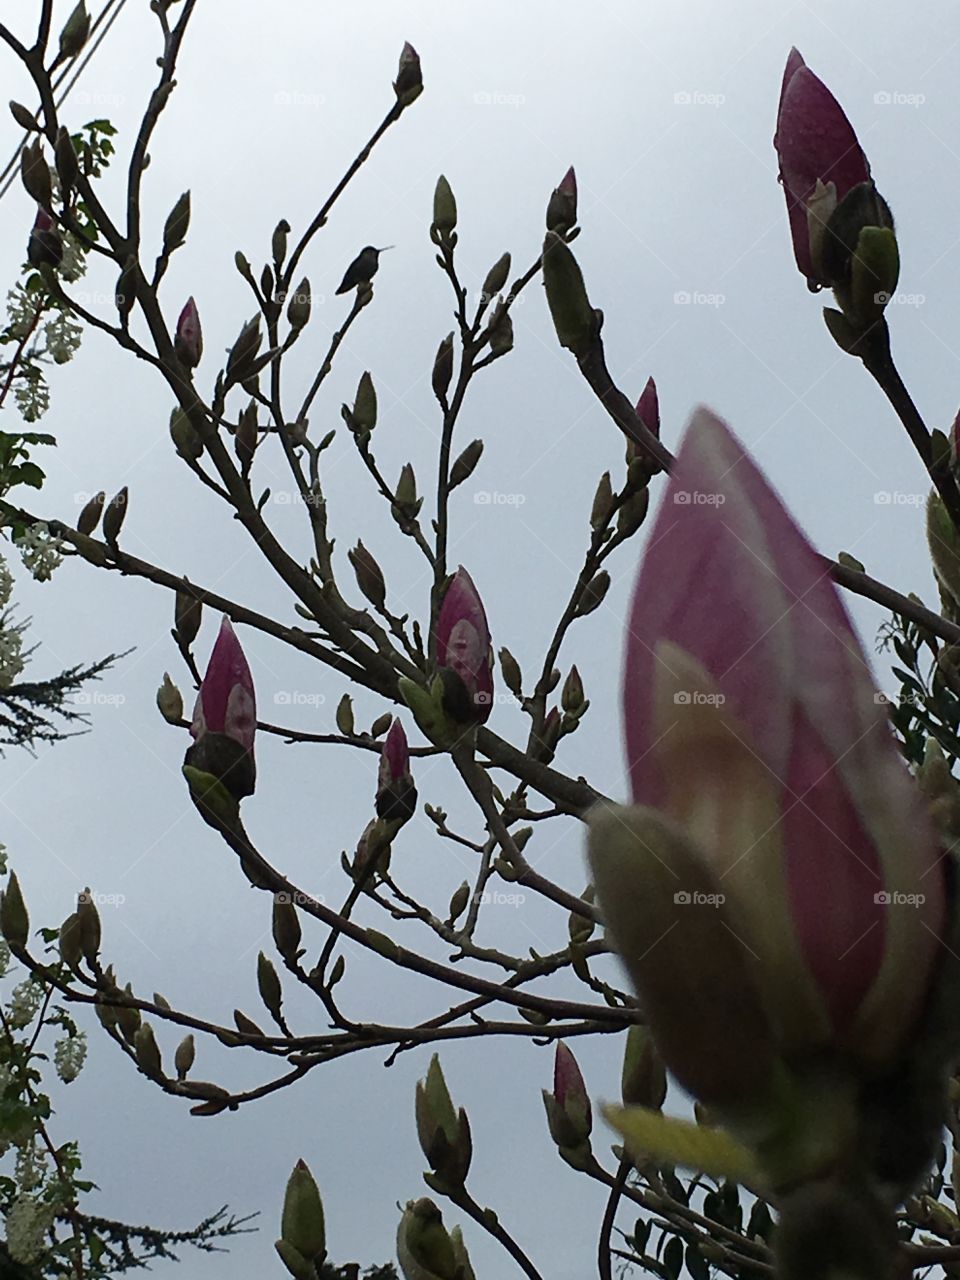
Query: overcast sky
[[667, 111]]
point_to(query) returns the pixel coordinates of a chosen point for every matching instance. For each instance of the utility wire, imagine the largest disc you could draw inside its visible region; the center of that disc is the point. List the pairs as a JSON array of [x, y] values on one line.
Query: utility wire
[[74, 70]]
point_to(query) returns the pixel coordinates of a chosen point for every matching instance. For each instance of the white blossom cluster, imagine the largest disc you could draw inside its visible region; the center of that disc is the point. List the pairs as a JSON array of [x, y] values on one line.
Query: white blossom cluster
[[25, 1000], [62, 335], [69, 1055], [27, 1224], [40, 550], [33, 398]]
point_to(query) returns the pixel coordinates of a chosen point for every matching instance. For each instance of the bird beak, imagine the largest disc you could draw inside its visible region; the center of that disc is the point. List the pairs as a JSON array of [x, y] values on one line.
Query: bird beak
[[386, 247]]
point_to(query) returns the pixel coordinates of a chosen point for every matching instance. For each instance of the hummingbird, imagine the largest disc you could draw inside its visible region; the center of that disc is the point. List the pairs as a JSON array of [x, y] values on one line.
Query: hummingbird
[[363, 268]]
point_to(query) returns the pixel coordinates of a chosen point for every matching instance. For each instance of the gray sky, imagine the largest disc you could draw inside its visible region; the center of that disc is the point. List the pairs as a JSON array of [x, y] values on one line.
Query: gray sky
[[667, 112]]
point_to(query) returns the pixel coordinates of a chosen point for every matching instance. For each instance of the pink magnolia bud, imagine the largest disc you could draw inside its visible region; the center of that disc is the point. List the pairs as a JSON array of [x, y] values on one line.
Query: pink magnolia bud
[[815, 144], [753, 724], [396, 798], [188, 343], [562, 207], [568, 1107], [44, 245], [648, 408], [225, 717], [463, 651]]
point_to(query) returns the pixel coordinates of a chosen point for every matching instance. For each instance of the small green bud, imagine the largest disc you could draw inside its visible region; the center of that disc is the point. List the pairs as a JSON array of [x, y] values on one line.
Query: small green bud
[[496, 278], [35, 174], [458, 902], [114, 515], [175, 227], [286, 927], [75, 32], [23, 116], [512, 676], [184, 1057], [89, 927], [442, 369], [69, 941], [89, 517], [245, 440], [268, 984], [365, 405], [444, 207], [643, 1082], [369, 575], [381, 725], [464, 467], [593, 596], [184, 436], [345, 720], [170, 701], [187, 616], [303, 1224], [602, 502], [14, 921], [278, 244], [298, 307], [243, 353], [573, 317], [147, 1052]]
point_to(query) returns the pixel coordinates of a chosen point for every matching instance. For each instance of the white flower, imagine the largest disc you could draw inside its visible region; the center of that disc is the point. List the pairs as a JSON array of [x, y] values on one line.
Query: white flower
[[12, 660], [6, 583], [25, 1000], [69, 1055], [40, 550], [27, 1222]]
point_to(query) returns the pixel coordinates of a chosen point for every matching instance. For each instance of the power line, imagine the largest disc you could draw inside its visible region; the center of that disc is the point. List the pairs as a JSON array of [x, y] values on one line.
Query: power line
[[74, 70]]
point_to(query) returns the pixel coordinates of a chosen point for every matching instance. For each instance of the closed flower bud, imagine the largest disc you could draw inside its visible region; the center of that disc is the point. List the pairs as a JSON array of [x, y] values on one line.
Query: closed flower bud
[[225, 718], [464, 467], [409, 82], [114, 515], [396, 798], [406, 495], [648, 408], [302, 1224], [443, 369], [344, 716], [170, 701], [562, 206], [444, 207], [184, 1057], [365, 405], [444, 1133], [243, 353], [188, 342], [89, 517], [568, 1106], [496, 278], [643, 1082], [501, 333], [463, 653], [369, 575], [187, 616], [512, 676], [425, 1251], [44, 246], [574, 319], [35, 174], [286, 926], [298, 306], [75, 32], [602, 502], [175, 227], [458, 902], [245, 441], [184, 436], [89, 921], [268, 984], [278, 243], [147, 1052], [571, 697], [23, 116], [594, 594]]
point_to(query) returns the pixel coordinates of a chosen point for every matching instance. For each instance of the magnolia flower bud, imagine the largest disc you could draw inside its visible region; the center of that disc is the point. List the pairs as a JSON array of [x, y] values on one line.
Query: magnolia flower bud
[[396, 799], [302, 1225], [574, 319], [188, 342], [443, 369], [409, 82], [562, 208], [225, 718], [444, 207], [643, 1082], [175, 227], [496, 278], [369, 575], [14, 921], [89, 517], [463, 653], [75, 32], [443, 1132]]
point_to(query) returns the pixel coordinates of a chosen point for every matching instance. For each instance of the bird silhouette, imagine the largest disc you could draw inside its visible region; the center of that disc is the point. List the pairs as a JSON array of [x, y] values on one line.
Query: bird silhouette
[[363, 268]]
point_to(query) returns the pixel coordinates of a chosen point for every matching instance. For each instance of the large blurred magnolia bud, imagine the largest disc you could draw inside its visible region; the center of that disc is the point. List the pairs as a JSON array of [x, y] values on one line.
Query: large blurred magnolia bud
[[44, 248], [225, 718], [425, 1250], [463, 652]]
